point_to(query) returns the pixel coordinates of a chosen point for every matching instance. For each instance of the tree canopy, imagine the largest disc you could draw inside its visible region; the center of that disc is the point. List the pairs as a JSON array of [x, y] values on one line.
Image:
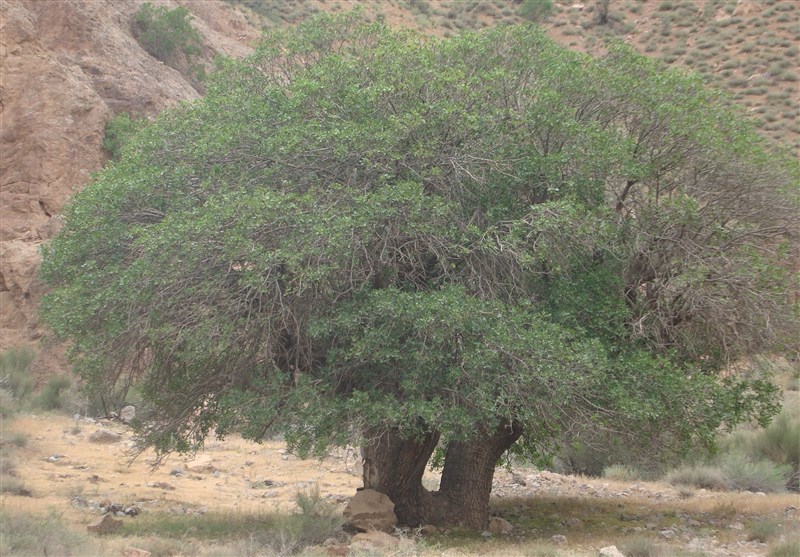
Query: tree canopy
[[361, 232]]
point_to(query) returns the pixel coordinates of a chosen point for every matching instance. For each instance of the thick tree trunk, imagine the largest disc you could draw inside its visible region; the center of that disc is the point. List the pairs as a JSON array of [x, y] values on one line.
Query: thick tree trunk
[[394, 466], [463, 496]]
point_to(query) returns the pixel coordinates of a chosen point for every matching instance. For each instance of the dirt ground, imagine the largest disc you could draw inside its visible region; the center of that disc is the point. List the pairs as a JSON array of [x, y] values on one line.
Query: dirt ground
[[66, 472]]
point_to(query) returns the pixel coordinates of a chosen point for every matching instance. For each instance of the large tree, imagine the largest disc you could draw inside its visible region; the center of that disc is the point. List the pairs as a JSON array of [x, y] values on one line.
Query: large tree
[[459, 246]]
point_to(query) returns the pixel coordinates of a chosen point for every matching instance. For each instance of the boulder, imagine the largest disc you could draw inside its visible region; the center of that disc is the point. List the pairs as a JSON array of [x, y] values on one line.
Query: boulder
[[127, 414], [203, 463], [105, 436], [370, 510], [610, 551], [499, 526], [107, 525], [558, 539]]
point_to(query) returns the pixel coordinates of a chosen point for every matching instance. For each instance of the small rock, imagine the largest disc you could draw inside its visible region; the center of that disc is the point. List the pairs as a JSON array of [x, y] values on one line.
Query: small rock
[[736, 526], [177, 472], [760, 494], [610, 551], [428, 530], [202, 463], [161, 485], [486, 534], [105, 436], [373, 542], [107, 525], [270, 494], [133, 510], [135, 552], [337, 550], [558, 539], [574, 522], [499, 526], [667, 534], [370, 510], [127, 414]]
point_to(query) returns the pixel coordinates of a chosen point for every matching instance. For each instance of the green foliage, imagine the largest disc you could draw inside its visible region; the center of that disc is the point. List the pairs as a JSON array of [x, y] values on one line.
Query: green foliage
[[732, 472], [702, 476], [763, 530], [621, 472], [640, 546], [785, 549], [53, 394], [535, 10], [15, 374], [163, 32], [27, 535], [432, 236], [119, 131]]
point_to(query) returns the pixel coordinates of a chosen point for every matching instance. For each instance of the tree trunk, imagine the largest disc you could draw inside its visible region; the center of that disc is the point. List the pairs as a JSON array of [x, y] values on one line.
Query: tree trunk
[[394, 466], [463, 496]]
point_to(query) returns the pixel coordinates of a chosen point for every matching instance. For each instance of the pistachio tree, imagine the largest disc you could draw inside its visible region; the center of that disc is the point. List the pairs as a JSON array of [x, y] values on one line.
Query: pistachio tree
[[446, 248]]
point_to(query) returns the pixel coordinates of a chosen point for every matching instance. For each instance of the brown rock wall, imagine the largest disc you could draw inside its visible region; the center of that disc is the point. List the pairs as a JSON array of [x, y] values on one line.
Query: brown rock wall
[[66, 67]]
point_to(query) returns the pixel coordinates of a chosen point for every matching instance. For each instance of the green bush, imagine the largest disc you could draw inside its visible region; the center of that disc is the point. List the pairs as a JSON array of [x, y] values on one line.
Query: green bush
[[763, 530], [26, 535], [779, 444], [641, 547], [119, 131], [697, 475], [53, 396], [14, 372], [535, 10], [786, 549], [621, 472], [744, 474], [162, 32]]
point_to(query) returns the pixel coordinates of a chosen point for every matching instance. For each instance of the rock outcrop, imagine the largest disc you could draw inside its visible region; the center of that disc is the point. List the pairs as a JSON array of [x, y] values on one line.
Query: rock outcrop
[[370, 510], [67, 68]]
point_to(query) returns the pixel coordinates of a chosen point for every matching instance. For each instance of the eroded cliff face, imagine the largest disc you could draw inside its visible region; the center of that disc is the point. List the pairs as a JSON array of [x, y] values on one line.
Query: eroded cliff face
[[67, 67]]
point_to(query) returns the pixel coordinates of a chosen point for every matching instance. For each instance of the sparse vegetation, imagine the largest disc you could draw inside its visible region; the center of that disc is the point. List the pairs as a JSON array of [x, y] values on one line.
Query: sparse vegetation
[[763, 530], [163, 33], [118, 131]]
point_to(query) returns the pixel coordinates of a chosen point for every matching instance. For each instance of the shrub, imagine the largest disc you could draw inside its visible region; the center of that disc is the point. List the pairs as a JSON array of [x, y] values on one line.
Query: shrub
[[786, 549], [13, 486], [19, 439], [697, 475], [621, 472], [779, 444], [744, 474], [14, 372], [52, 396], [24, 534], [118, 132], [763, 530], [535, 10], [641, 547], [162, 32]]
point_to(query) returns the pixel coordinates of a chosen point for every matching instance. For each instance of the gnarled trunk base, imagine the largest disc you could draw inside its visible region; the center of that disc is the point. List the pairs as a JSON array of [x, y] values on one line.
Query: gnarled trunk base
[[395, 466]]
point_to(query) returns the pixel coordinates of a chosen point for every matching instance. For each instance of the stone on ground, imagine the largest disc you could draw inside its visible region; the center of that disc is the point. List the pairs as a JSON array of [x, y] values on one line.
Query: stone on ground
[[610, 551], [105, 436], [499, 526], [127, 414], [370, 510], [374, 542], [107, 525]]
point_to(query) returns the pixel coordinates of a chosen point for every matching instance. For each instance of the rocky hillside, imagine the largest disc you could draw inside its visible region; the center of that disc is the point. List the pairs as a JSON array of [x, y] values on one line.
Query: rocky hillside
[[68, 66]]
